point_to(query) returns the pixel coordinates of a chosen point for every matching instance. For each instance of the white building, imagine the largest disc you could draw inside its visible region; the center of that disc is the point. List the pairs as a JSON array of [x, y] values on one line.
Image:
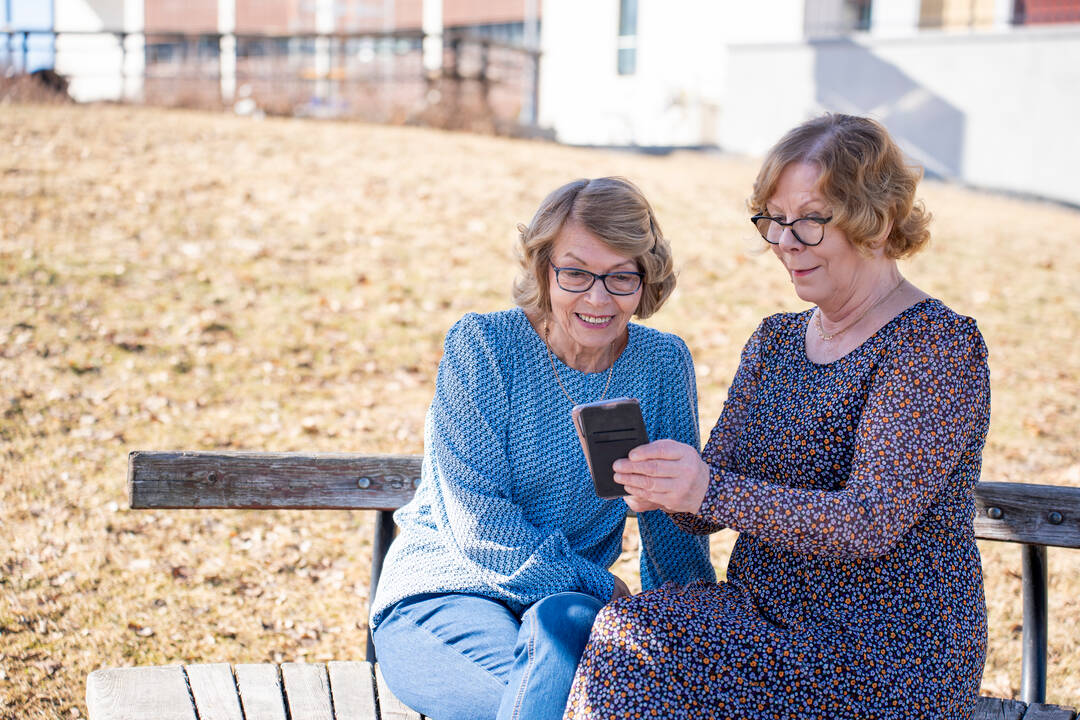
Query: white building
[[973, 91], [100, 47]]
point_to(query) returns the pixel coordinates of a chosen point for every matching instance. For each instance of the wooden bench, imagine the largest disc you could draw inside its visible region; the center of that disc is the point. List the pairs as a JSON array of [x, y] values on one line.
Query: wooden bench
[[1037, 516]]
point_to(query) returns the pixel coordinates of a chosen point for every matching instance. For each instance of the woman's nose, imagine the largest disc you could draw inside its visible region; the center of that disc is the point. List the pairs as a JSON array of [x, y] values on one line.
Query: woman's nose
[[788, 242], [598, 293]]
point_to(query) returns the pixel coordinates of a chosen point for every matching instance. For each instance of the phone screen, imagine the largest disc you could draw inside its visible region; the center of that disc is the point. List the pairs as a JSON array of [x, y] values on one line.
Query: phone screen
[[609, 430]]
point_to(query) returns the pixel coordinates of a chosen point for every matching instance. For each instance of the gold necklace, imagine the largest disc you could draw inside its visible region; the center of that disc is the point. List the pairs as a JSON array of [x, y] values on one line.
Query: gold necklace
[[547, 346], [821, 328]]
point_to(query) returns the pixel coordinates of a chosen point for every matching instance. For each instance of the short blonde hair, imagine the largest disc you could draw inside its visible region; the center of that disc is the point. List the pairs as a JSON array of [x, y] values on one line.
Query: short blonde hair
[[615, 211], [864, 178]]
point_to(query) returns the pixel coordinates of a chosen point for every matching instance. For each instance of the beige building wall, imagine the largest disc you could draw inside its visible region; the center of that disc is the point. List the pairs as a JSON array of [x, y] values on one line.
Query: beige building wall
[[372, 15], [276, 18], [367, 15], [482, 12], [192, 16], [298, 16], [957, 14]]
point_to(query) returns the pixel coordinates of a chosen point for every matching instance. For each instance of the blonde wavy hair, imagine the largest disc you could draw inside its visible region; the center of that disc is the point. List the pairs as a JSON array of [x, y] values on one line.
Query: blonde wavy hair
[[864, 177], [615, 211]]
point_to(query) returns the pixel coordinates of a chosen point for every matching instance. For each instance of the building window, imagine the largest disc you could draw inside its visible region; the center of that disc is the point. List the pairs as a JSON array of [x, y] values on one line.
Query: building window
[[860, 13], [832, 18], [627, 43]]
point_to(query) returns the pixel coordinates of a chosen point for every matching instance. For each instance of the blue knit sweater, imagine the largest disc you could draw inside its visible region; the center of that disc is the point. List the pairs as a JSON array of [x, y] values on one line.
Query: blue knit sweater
[[506, 508]]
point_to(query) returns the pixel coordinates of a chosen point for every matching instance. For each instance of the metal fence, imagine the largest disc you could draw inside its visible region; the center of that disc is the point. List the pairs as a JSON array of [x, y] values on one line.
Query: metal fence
[[483, 84]]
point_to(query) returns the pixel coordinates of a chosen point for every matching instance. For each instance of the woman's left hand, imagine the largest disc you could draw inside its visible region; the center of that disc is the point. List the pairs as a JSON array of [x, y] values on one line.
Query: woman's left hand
[[665, 475]]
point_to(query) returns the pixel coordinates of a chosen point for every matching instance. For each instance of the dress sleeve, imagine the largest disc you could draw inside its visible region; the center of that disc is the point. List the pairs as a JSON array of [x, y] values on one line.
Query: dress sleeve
[[669, 554], [925, 410], [465, 444], [718, 450]]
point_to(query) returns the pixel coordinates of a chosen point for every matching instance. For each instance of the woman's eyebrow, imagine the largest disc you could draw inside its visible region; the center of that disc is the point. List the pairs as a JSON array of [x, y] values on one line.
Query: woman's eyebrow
[[809, 207], [571, 257]]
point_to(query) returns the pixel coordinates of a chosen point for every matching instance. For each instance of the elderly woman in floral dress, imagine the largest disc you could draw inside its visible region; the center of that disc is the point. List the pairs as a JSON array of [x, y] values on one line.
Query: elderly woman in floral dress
[[845, 456]]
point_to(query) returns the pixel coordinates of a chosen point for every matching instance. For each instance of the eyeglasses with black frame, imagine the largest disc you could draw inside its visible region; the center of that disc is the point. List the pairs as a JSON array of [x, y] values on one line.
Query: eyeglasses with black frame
[[576, 280], [805, 229]]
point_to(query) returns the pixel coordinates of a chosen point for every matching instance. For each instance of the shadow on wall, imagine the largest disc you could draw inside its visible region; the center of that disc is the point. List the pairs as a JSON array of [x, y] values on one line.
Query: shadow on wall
[[851, 79]]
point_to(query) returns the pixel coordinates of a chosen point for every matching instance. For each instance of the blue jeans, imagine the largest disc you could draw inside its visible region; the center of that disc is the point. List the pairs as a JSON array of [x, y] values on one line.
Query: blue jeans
[[464, 656]]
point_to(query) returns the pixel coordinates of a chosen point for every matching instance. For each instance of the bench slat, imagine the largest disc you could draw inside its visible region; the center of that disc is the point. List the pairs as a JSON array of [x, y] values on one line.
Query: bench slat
[[162, 693], [348, 481], [1026, 510], [260, 691], [992, 708], [352, 686], [262, 480], [390, 708], [146, 692], [1038, 711], [307, 691], [214, 690]]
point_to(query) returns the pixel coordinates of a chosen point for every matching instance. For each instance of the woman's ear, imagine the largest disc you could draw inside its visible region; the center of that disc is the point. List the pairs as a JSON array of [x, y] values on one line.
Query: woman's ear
[[880, 243]]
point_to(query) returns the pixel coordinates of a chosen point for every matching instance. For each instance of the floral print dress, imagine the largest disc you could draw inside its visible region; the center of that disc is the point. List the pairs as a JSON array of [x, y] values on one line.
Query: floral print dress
[[855, 587]]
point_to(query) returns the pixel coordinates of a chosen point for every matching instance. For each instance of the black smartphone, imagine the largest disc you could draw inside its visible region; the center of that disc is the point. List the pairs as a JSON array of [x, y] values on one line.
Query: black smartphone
[[608, 430]]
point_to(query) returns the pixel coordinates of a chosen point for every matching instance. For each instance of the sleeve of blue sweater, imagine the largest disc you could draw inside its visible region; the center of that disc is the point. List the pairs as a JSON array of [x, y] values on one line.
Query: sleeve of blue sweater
[[466, 437], [669, 554]]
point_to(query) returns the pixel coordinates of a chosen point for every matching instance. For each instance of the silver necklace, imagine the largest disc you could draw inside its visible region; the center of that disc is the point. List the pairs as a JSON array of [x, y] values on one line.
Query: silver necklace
[[547, 346]]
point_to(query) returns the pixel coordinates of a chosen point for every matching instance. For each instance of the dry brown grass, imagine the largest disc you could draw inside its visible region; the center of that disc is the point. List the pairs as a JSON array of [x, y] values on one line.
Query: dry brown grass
[[174, 279]]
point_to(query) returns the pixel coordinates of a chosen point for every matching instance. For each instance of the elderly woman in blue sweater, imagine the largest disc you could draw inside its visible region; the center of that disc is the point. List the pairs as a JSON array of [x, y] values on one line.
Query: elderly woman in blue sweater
[[501, 565]]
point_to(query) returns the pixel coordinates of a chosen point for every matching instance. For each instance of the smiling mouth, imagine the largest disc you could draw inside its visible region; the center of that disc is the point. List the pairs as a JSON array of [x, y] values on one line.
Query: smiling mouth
[[595, 320]]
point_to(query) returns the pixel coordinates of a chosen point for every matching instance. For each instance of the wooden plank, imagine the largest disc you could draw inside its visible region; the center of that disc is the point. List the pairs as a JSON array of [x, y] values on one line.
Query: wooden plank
[[159, 692], [386, 482], [260, 691], [988, 708], [307, 691], [1026, 513], [1038, 711], [271, 480], [214, 690], [992, 708], [1012, 709], [352, 686], [390, 708]]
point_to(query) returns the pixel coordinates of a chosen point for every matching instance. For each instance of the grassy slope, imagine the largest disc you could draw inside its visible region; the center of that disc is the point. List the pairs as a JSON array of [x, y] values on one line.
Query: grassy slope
[[184, 280]]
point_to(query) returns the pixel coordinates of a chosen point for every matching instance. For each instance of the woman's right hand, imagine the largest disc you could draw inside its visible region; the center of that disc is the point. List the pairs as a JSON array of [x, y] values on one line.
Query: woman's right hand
[[664, 474], [621, 589]]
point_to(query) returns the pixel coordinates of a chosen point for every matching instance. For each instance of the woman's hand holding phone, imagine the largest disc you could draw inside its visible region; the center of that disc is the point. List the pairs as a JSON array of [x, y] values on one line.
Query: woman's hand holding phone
[[666, 475]]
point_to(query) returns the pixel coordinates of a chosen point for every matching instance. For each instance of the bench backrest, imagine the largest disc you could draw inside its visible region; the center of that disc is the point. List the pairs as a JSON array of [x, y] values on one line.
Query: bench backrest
[[1014, 512]]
